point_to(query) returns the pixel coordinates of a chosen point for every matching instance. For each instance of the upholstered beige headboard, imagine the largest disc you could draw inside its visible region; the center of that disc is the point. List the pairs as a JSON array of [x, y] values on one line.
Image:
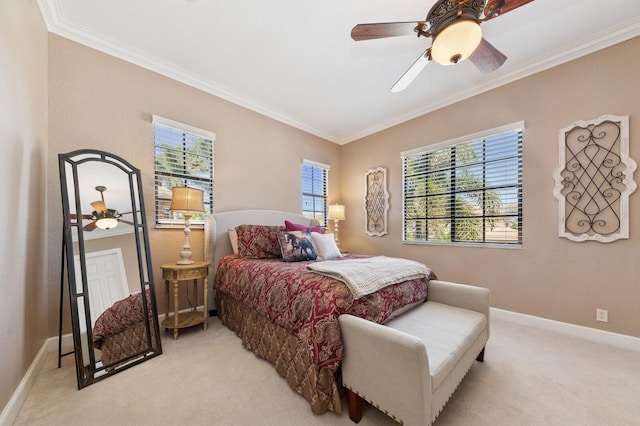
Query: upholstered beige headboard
[[217, 226]]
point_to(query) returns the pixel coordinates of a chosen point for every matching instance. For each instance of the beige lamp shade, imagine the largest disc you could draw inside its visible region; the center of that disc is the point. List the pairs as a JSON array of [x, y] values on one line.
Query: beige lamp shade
[[99, 206], [336, 212], [456, 42], [186, 200]]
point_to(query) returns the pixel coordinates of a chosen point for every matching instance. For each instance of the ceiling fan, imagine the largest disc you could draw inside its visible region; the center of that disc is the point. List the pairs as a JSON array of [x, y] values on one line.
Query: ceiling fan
[[454, 27], [102, 217]]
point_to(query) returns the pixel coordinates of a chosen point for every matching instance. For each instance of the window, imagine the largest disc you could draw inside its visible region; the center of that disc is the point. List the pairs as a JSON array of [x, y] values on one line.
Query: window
[[465, 191], [183, 156], [314, 190]]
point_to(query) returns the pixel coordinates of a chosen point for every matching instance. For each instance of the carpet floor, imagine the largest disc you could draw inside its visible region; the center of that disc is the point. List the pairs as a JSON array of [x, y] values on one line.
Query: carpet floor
[[530, 377]]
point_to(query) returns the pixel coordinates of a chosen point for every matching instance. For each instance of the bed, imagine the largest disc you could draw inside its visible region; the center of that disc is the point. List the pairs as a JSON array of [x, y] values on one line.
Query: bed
[[287, 314], [120, 332]]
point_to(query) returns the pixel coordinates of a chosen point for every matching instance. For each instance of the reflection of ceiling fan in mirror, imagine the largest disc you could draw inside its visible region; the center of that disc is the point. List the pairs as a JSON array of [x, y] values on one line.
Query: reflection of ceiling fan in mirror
[[454, 27], [102, 217]]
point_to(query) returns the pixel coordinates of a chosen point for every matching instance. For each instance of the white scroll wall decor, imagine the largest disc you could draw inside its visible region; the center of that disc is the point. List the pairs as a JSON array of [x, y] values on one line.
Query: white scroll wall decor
[[594, 180], [376, 202]]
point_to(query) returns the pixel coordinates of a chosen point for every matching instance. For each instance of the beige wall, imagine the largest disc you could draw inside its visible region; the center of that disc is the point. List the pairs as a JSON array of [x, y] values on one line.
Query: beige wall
[[100, 102], [549, 277], [23, 151], [58, 96]]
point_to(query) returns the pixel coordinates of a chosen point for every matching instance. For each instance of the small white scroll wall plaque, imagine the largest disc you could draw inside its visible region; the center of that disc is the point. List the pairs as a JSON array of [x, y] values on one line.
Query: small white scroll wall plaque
[[594, 180], [376, 202]]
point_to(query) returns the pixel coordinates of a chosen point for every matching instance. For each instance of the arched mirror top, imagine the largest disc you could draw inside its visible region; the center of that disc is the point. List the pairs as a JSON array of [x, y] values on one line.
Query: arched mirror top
[[103, 192]]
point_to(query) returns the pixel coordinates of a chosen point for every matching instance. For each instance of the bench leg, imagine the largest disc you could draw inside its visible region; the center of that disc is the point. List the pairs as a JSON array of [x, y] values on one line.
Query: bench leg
[[355, 406], [480, 356]]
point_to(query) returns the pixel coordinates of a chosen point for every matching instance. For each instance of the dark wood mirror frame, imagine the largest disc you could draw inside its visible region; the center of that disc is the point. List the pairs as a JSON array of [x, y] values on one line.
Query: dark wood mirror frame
[[137, 336]]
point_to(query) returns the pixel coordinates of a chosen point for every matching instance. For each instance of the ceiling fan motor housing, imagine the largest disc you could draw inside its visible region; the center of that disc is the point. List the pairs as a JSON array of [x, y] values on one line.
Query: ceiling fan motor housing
[[456, 29], [444, 12]]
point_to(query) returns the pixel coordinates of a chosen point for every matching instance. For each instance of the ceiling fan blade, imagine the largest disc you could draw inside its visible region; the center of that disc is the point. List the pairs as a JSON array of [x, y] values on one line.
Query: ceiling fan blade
[[83, 216], [487, 58], [90, 226], [412, 72], [126, 221], [495, 8], [387, 29]]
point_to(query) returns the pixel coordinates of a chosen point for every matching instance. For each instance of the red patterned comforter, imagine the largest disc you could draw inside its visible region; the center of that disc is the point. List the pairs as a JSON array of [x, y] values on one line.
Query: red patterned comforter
[[309, 304], [120, 316]]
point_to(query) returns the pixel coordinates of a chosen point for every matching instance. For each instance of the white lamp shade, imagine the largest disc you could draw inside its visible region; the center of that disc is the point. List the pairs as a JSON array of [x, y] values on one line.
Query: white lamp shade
[[458, 40], [336, 212], [107, 223], [186, 200]]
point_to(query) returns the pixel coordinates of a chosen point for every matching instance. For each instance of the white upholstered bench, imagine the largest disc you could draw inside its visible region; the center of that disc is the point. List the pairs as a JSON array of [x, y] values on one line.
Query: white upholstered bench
[[410, 366]]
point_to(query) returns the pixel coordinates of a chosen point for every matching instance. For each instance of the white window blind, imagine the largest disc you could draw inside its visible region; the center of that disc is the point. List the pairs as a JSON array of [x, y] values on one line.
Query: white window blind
[[466, 191], [314, 190], [183, 156]]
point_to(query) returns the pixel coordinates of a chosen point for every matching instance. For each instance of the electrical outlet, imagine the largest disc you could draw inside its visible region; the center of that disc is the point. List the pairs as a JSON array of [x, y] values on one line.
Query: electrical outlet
[[602, 315]]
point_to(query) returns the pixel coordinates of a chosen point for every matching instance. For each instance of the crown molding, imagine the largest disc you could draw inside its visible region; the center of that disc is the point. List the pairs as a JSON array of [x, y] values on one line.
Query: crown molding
[[57, 24], [599, 41]]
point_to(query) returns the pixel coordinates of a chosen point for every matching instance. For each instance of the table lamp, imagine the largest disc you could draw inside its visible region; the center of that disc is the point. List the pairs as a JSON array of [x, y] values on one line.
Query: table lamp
[[187, 201], [336, 213]]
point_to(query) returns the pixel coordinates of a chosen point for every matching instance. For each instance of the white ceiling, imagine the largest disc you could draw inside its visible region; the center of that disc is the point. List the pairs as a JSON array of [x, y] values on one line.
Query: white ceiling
[[295, 61]]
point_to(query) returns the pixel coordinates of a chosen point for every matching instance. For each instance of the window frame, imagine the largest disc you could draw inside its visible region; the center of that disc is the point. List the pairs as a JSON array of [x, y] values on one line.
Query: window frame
[[518, 129], [203, 182], [324, 168]]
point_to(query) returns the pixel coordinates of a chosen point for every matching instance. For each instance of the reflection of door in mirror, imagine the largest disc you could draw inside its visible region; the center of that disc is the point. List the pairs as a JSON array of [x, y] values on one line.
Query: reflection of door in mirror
[[106, 282], [108, 262]]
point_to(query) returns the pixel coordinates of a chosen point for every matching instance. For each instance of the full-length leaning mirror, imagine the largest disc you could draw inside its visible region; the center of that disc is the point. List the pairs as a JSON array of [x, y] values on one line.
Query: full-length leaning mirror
[[107, 260]]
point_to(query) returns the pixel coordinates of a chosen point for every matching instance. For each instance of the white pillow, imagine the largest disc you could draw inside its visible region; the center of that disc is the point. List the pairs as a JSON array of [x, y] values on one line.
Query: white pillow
[[325, 246], [233, 239]]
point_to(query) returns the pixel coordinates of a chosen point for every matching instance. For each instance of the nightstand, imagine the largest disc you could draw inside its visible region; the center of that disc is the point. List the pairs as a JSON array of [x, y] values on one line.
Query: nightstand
[[174, 274]]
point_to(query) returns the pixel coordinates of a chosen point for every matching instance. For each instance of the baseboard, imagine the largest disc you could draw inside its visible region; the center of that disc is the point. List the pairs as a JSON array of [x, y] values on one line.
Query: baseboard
[[592, 334], [13, 407], [11, 410], [52, 342]]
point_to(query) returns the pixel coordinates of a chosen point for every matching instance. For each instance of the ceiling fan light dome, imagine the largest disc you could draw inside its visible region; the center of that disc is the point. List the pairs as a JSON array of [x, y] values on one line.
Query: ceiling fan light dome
[[456, 42], [107, 223]]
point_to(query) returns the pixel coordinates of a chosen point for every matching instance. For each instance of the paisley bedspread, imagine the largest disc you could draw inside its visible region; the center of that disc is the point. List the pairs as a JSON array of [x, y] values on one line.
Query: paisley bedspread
[[119, 317], [308, 304]]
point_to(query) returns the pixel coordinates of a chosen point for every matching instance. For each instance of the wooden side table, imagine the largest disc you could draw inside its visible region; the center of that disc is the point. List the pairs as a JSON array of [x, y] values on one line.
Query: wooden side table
[[175, 274]]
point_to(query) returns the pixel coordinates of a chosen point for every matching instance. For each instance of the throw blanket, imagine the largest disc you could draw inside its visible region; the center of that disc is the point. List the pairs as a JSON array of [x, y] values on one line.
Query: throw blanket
[[368, 275]]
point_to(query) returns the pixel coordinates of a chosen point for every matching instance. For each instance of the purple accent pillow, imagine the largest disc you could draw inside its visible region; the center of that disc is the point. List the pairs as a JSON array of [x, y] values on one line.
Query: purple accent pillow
[[298, 227], [259, 241], [296, 246]]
